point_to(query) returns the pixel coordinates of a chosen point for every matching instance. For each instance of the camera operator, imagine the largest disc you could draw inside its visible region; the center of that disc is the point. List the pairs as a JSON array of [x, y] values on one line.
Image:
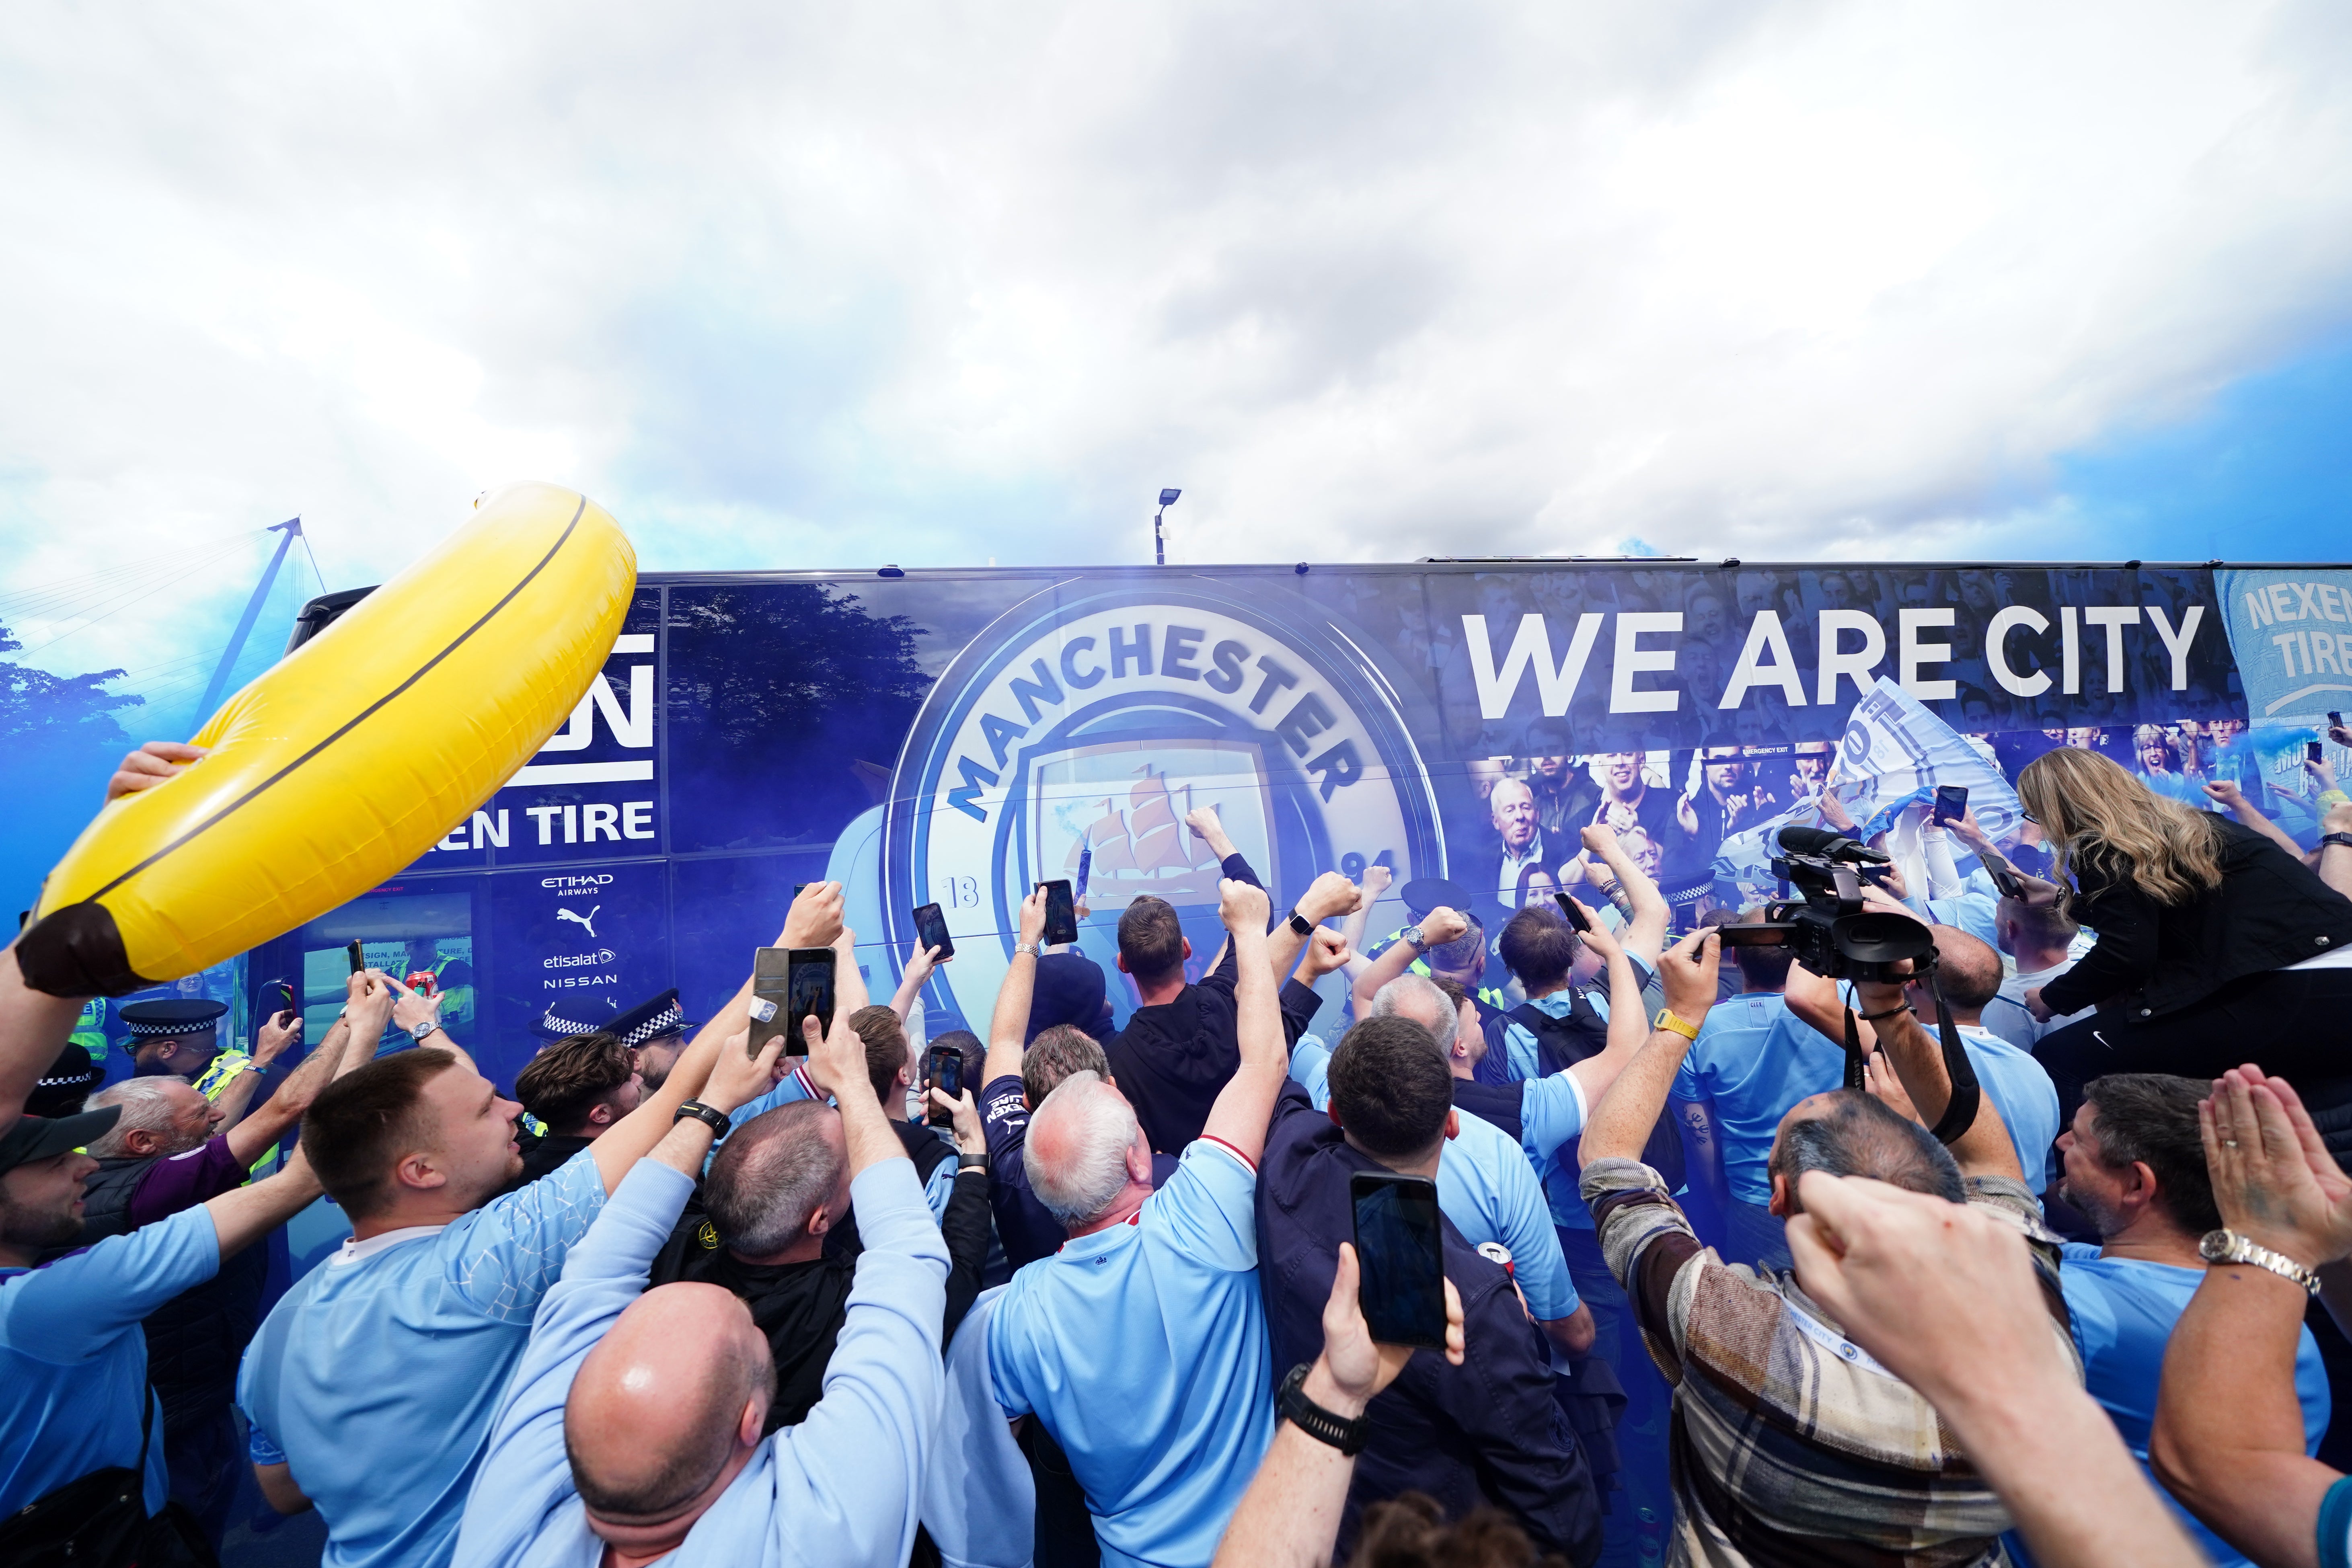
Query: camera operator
[[2213, 940]]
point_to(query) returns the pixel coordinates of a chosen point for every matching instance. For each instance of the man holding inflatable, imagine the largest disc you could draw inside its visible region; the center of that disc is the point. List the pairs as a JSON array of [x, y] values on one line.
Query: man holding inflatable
[[370, 1387]]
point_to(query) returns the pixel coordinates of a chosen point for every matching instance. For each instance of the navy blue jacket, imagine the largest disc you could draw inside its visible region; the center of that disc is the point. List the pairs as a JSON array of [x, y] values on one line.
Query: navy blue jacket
[[1487, 1431]]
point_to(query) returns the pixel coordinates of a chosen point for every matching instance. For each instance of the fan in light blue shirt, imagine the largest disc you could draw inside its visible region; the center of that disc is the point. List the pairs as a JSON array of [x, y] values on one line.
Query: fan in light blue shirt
[[1143, 1349], [377, 1374], [1752, 1061], [840, 1488], [1486, 1186], [74, 1361], [2124, 1310], [2020, 1088]]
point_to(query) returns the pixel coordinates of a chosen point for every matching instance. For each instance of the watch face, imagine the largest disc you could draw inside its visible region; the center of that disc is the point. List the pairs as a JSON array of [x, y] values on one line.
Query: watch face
[[2213, 1246]]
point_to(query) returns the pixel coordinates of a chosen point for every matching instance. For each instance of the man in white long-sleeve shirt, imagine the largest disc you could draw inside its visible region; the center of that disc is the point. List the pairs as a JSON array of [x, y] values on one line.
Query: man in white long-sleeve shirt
[[632, 1423]]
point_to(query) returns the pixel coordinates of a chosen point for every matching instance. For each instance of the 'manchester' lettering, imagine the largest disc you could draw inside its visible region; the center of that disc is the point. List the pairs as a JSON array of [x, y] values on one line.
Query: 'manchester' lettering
[[1223, 670]]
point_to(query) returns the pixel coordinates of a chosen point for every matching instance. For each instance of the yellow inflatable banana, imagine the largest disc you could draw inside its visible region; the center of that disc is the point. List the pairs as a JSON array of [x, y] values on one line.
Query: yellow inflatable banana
[[347, 759]]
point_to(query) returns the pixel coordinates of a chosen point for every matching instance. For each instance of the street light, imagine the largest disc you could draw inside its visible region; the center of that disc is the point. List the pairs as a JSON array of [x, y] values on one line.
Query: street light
[[1159, 541]]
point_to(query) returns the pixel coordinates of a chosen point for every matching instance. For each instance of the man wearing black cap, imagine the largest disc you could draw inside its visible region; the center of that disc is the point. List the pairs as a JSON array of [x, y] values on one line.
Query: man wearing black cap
[[66, 1085], [71, 1356], [656, 1031]]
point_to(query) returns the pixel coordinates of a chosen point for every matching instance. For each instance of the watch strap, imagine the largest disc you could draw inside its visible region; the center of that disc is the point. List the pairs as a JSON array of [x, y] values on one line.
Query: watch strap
[[1300, 923], [2229, 1247], [710, 1116], [1323, 1425], [418, 1036], [1410, 935], [1668, 1020], [2343, 839], [1032, 948]]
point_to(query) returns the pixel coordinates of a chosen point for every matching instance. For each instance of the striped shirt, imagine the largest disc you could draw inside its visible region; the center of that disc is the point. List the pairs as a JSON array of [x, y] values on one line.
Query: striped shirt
[[1792, 1445]]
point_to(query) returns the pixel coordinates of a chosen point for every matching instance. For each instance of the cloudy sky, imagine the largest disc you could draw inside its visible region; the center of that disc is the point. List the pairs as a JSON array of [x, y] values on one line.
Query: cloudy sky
[[790, 285]]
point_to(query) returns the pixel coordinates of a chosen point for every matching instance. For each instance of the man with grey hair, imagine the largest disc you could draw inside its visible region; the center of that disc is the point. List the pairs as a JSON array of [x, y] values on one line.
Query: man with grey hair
[[1141, 1345], [1766, 1383]]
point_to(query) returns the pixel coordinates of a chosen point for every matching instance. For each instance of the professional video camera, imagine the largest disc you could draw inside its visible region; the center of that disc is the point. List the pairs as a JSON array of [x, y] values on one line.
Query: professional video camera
[[1839, 938], [1836, 935]]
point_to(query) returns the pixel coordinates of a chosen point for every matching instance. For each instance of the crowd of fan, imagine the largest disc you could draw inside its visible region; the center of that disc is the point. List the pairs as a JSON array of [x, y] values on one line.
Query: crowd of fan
[[1705, 1305]]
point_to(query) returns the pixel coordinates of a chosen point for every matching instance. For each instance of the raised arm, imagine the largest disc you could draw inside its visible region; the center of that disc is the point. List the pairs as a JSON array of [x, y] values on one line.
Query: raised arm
[[1245, 1104], [1008, 1026], [1376, 886], [33, 1028], [919, 964], [246, 1215], [1628, 1028], [2336, 860], [270, 1041], [1620, 1125], [251, 1138], [1331, 894], [1646, 913], [1986, 1149], [2228, 1439], [1289, 1518], [1438, 928], [2228, 794], [814, 921]]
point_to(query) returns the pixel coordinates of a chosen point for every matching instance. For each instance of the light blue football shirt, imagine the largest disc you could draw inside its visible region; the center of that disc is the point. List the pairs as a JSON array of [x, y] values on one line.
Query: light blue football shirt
[[1143, 1349], [379, 1372], [74, 1361], [1486, 1186], [1754, 1059], [2020, 1088], [2124, 1310]]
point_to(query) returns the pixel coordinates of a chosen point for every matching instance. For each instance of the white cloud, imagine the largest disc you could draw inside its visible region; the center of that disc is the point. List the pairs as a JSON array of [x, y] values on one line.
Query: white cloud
[[934, 283]]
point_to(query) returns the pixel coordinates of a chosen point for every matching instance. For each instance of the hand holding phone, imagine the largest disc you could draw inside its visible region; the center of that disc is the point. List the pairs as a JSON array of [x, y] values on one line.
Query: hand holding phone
[[1400, 1245], [1951, 799], [358, 958], [945, 1075], [1576, 915], [931, 931], [789, 984], [1061, 913]]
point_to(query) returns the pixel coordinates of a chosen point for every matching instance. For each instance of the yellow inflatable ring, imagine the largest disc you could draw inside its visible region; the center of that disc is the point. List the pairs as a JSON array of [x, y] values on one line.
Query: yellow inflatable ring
[[350, 757]]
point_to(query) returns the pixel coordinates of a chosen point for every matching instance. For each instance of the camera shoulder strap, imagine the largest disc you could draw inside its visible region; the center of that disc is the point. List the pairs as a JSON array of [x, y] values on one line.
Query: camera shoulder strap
[[1960, 1110]]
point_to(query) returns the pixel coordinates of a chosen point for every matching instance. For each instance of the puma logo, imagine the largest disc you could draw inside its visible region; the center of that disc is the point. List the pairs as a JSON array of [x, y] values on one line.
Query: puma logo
[[588, 920]]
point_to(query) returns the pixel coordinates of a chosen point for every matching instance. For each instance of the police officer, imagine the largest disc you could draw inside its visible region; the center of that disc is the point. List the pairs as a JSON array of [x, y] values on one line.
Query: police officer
[[656, 1031], [177, 1036]]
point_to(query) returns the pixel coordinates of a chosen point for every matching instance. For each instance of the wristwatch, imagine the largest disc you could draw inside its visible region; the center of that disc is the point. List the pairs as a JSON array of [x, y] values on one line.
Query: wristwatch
[[1323, 1425], [1681, 1026], [2343, 839], [2229, 1247], [1412, 933], [710, 1116], [1032, 948], [1299, 923], [418, 1036]]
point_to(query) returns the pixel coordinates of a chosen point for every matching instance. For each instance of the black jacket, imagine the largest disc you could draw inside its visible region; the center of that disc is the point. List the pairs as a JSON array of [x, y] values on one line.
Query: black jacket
[[1487, 1431], [2270, 911], [800, 1307]]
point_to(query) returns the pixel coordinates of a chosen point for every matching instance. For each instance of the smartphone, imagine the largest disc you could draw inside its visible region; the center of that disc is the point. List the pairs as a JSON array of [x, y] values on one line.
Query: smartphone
[[2006, 880], [1086, 865], [1061, 913], [931, 930], [2334, 719], [359, 959], [810, 987], [1951, 800], [771, 997], [1400, 1246], [947, 1077], [2313, 751], [1576, 917]]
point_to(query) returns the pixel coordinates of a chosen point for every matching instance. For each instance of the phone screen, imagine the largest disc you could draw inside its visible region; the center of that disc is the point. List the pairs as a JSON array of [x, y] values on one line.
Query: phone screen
[[931, 930], [771, 997], [1400, 1245], [359, 959], [1061, 913], [947, 1077], [2334, 719], [810, 987], [1575, 916], [1951, 799]]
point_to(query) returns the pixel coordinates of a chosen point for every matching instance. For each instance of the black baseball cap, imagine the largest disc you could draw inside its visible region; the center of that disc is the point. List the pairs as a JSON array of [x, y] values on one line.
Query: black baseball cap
[[39, 1137]]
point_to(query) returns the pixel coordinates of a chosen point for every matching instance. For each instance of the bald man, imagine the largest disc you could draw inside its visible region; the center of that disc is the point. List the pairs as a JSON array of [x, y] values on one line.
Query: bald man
[[632, 1430]]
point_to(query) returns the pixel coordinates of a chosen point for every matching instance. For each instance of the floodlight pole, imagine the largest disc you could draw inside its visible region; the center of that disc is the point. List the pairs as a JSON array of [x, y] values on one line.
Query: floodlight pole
[[215, 687]]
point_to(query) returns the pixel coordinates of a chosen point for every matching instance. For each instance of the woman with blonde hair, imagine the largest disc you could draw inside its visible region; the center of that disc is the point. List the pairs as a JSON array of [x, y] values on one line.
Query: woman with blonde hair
[[2216, 947]]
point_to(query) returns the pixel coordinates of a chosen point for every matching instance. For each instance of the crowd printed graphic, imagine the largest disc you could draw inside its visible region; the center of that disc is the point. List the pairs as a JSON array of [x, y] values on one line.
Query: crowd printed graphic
[[951, 737]]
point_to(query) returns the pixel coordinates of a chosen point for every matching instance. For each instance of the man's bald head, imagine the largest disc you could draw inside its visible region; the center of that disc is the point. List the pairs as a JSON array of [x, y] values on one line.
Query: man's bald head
[[1968, 969], [665, 1409]]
